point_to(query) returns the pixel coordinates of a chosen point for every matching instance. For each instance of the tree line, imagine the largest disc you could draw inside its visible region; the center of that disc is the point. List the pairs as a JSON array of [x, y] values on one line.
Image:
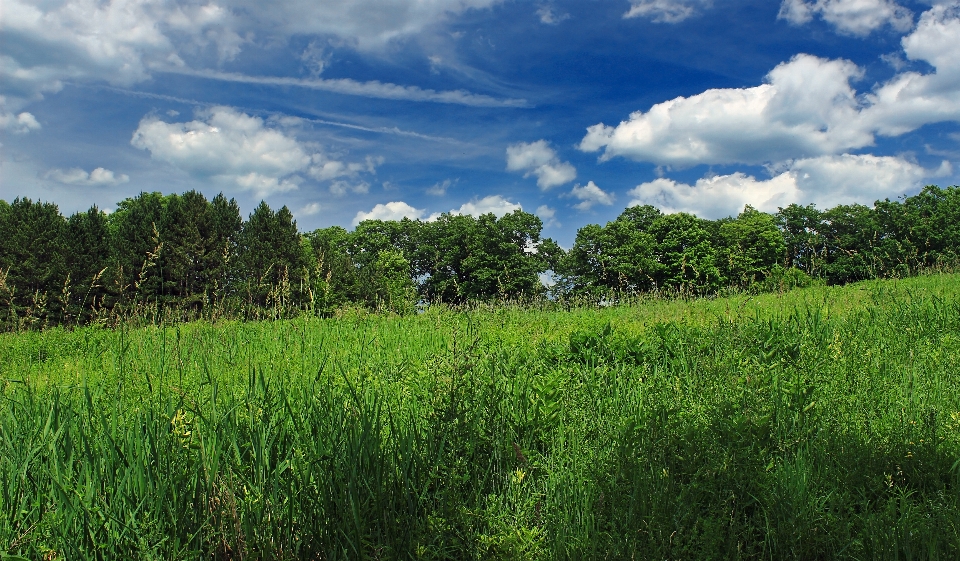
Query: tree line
[[185, 256]]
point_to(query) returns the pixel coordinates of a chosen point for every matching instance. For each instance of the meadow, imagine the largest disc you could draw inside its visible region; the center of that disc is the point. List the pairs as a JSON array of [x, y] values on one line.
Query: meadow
[[819, 423]]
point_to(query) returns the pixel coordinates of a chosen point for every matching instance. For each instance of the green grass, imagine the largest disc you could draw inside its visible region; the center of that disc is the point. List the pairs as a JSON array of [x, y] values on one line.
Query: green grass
[[818, 424]]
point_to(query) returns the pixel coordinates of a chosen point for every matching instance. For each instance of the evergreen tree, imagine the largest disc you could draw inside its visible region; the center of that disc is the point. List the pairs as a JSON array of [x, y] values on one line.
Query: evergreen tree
[[88, 260], [271, 258], [33, 258], [221, 266], [136, 239], [185, 231]]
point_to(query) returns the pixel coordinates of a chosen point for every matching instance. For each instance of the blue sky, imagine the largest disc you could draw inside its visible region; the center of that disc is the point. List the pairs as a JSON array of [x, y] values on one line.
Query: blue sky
[[573, 110]]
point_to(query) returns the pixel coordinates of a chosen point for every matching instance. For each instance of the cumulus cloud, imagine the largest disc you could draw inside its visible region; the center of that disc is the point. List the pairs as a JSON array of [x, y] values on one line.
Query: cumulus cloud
[[18, 124], [396, 210], [590, 195], [665, 11], [539, 159], [807, 108], [911, 99], [495, 204], [99, 177], [825, 181], [851, 17], [237, 149], [549, 216]]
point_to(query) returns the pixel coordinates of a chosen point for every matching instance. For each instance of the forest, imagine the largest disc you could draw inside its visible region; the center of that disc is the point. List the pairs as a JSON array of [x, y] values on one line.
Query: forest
[[183, 256]]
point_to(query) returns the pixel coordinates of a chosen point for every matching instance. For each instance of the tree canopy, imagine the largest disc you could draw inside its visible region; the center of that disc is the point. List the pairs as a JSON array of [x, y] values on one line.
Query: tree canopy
[[187, 255]]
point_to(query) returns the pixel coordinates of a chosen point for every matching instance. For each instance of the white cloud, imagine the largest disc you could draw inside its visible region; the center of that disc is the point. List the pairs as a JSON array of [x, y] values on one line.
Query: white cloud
[[310, 209], [324, 168], [590, 195], [543, 211], [373, 89], [228, 146], [495, 204], [237, 149], [99, 177], [825, 181], [126, 41], [117, 40], [549, 17], [665, 11], [341, 188], [367, 23], [396, 210], [539, 159], [549, 216], [439, 189], [18, 124], [911, 99], [807, 108], [852, 17]]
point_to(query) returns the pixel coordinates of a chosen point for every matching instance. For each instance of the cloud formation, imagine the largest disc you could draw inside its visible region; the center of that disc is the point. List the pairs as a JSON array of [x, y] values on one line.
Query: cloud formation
[[549, 216], [396, 210], [851, 17], [439, 189], [807, 108], [309, 209], [118, 41], [125, 41], [495, 204], [665, 11], [18, 124], [367, 23], [825, 181], [372, 89], [539, 159], [590, 195], [99, 177], [242, 151], [910, 100], [550, 17]]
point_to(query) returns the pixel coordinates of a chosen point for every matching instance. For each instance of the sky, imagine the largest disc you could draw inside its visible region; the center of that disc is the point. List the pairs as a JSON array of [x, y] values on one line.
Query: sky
[[344, 110]]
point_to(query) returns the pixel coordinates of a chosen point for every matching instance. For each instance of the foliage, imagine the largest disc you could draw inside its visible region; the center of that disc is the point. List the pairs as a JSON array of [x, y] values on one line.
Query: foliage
[[823, 423], [165, 257]]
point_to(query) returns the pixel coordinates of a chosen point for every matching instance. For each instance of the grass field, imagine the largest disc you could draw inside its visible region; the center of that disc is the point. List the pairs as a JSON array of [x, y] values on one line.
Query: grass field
[[822, 423]]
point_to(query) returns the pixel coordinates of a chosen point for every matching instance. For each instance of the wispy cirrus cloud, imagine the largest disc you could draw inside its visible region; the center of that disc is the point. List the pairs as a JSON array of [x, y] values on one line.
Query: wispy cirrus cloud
[[347, 86], [665, 11]]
